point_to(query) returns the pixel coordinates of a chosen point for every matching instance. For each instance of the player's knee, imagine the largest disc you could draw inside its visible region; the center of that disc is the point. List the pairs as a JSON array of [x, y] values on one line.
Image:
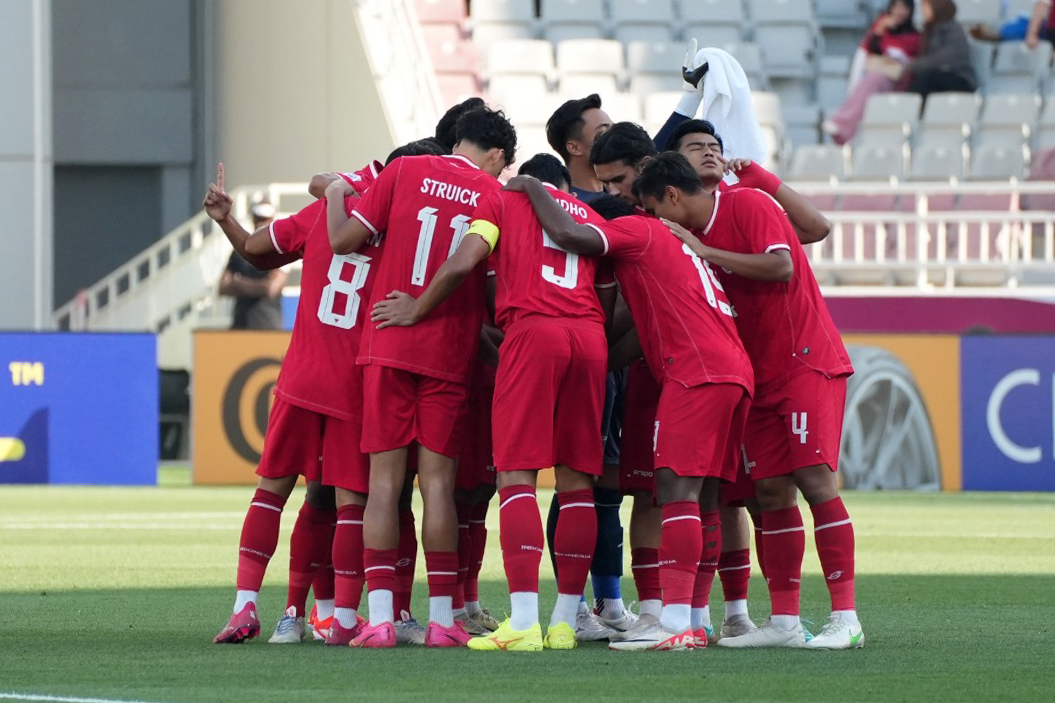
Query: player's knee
[[775, 494], [279, 486], [320, 496], [568, 479], [817, 483], [344, 497]]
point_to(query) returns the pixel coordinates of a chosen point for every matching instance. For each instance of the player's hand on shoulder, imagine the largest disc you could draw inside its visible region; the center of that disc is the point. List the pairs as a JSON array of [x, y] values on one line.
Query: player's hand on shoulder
[[678, 231], [520, 184], [217, 202], [340, 187], [398, 309]]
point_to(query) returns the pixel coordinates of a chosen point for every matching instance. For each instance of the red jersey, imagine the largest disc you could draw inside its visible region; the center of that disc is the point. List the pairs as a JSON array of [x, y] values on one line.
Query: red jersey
[[683, 318], [785, 327], [317, 373], [422, 206], [534, 275], [364, 177]]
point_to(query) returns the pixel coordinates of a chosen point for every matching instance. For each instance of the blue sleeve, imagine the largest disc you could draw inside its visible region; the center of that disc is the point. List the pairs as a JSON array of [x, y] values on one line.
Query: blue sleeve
[[662, 138]]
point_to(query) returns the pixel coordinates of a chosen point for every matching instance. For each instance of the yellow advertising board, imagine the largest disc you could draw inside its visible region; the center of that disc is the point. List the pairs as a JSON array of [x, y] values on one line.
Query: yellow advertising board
[[233, 383]]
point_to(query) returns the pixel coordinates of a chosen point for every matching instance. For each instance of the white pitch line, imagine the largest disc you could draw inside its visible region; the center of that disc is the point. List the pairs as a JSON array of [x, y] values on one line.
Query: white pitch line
[[12, 696], [115, 526]]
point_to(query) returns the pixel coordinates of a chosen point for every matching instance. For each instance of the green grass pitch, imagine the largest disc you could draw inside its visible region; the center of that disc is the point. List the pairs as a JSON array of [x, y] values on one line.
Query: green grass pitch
[[116, 594]]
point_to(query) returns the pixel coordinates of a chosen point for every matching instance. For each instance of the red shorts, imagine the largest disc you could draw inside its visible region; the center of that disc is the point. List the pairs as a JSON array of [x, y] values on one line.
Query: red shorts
[[797, 425], [637, 441], [400, 407], [315, 446], [736, 494], [698, 428], [549, 396], [476, 460]]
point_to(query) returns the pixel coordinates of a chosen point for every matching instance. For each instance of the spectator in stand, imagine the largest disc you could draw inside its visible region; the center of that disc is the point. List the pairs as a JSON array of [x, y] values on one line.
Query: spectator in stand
[[1016, 27], [878, 65], [944, 61], [1041, 24], [257, 294]]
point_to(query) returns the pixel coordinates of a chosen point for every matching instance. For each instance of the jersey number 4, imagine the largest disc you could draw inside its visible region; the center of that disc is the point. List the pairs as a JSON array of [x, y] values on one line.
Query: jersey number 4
[[339, 304]]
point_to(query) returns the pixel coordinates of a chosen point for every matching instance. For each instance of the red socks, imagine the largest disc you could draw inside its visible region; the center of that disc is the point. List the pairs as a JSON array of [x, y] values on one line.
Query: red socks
[[521, 537], [478, 534], [835, 546], [259, 538], [644, 563], [379, 565], [575, 540], [406, 562], [309, 549], [322, 585], [785, 543], [465, 551], [442, 573], [679, 551], [348, 558], [734, 569], [711, 538]]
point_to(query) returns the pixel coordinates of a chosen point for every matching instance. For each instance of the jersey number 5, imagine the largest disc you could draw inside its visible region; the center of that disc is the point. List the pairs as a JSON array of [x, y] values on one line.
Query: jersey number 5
[[427, 218], [571, 266], [344, 317]]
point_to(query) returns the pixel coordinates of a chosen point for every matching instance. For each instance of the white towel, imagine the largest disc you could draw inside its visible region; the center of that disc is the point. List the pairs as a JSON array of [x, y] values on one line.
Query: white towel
[[728, 106]]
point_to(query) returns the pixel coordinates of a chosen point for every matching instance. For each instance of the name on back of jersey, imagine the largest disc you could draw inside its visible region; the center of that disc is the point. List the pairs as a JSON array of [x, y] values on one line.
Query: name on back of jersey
[[573, 208], [449, 191]]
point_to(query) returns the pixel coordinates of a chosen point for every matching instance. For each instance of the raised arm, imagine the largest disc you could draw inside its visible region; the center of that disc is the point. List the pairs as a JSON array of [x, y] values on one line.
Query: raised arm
[[775, 266], [810, 224], [257, 247], [558, 224], [400, 309]]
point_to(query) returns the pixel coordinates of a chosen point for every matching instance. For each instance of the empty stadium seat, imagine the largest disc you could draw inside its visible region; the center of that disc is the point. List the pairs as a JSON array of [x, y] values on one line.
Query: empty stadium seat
[[749, 56], [802, 123], [1019, 69], [713, 22], [602, 56], [949, 118], [502, 86], [978, 11], [487, 33], [643, 84], [530, 56], [818, 162], [497, 20], [877, 162], [658, 107], [576, 85], [455, 87], [581, 19], [1008, 119], [831, 81], [654, 66], [994, 162], [449, 51], [787, 33], [938, 162], [624, 107], [529, 110], [441, 11], [841, 13], [642, 19], [982, 62]]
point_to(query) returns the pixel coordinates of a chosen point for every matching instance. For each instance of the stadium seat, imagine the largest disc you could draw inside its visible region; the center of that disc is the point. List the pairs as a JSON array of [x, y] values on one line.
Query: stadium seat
[[841, 13], [531, 140], [1009, 119], [982, 62], [1019, 69], [818, 162], [879, 162], [978, 11], [529, 110], [831, 81], [624, 107], [487, 33], [455, 87], [602, 56], [996, 162], [787, 33], [643, 84], [938, 162], [441, 11], [449, 51], [749, 56], [582, 19], [713, 22], [576, 85], [793, 91], [802, 124], [893, 109], [501, 11], [523, 56], [502, 86], [642, 19], [654, 66], [658, 107], [950, 117]]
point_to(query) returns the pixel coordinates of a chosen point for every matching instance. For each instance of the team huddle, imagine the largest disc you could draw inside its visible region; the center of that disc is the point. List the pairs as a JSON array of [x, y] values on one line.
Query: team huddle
[[625, 317]]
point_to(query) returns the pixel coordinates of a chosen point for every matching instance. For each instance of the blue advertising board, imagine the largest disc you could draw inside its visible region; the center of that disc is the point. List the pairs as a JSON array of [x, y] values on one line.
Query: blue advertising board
[[1008, 400], [78, 408]]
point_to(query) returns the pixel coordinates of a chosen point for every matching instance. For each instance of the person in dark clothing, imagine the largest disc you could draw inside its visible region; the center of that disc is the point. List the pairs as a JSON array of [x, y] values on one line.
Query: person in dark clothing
[[257, 294], [944, 61]]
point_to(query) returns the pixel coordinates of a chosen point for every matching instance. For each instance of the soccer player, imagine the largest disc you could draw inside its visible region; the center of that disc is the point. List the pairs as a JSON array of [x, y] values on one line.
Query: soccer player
[[416, 380], [313, 415], [801, 366], [548, 395], [686, 330]]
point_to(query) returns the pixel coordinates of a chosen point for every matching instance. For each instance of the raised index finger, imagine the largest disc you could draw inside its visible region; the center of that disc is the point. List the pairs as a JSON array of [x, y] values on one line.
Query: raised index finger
[[219, 176]]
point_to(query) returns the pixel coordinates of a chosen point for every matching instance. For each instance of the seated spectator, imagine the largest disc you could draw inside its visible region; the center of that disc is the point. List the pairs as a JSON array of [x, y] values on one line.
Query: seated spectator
[[1016, 28], [1041, 24], [944, 61], [878, 64]]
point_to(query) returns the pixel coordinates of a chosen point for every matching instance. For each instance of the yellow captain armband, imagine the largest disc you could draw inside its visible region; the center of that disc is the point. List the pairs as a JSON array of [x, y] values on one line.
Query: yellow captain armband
[[485, 229]]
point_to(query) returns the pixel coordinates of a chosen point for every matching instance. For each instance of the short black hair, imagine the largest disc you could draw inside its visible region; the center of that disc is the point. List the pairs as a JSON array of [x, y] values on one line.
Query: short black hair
[[566, 123], [668, 169], [624, 141], [488, 129], [445, 128], [610, 207], [693, 127], [420, 147], [547, 168]]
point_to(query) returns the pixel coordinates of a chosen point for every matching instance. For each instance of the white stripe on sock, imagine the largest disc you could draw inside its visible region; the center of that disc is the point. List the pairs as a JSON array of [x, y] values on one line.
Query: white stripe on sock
[[577, 505], [734, 568], [818, 528], [682, 517], [265, 505], [780, 532], [510, 499]]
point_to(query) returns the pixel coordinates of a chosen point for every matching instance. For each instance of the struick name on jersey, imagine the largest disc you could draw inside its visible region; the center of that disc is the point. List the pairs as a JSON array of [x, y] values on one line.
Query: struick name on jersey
[[449, 191]]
